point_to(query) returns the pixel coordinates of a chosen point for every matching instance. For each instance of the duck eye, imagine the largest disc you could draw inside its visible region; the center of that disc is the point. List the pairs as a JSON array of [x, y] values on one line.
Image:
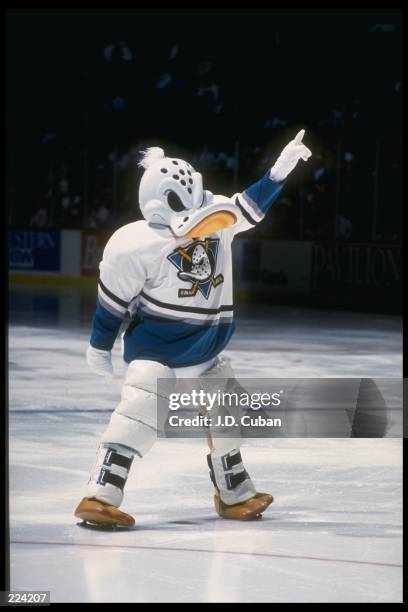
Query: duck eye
[[175, 202]]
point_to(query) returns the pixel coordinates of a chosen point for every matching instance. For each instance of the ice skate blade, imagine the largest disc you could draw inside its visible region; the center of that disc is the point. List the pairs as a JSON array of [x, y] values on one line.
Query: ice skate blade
[[104, 527]]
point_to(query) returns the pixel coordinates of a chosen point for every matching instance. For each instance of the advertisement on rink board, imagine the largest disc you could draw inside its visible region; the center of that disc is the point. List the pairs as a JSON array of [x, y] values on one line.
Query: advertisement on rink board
[[93, 242], [344, 272], [362, 272], [278, 266], [35, 250]]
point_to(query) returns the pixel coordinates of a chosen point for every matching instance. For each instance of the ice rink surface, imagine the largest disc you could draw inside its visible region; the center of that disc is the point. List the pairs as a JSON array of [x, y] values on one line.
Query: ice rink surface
[[333, 533]]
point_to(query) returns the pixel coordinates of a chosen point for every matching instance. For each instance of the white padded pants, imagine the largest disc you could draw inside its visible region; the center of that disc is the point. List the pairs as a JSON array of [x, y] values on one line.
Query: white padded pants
[[132, 429]]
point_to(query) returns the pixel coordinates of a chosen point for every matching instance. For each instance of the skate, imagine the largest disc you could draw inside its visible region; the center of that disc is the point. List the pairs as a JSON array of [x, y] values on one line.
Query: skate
[[250, 510], [232, 481], [100, 514]]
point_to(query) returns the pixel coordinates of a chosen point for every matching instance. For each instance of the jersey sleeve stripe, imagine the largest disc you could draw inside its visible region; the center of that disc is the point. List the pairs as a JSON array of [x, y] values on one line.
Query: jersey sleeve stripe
[[116, 311], [112, 296], [245, 213], [253, 206]]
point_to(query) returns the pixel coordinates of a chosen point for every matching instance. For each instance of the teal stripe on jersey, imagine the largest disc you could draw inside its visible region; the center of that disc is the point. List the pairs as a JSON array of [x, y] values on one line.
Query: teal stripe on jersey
[[176, 344]]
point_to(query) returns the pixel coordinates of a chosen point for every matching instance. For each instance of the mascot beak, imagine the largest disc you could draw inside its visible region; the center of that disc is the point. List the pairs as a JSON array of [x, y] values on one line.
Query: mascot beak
[[205, 221], [215, 222]]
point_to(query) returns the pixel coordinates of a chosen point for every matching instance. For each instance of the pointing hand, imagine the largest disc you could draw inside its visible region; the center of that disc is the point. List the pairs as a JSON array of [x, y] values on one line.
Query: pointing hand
[[289, 157]]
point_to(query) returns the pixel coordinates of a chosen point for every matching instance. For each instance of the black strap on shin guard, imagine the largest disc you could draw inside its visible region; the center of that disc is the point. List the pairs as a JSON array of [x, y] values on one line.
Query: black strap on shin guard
[[112, 457], [230, 460], [232, 480], [106, 477]]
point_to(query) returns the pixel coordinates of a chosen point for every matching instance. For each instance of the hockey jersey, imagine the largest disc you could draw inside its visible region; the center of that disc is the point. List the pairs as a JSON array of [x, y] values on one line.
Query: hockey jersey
[[176, 291]]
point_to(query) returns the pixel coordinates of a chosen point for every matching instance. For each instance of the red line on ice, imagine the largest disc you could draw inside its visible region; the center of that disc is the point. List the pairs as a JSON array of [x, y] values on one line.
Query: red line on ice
[[208, 550]]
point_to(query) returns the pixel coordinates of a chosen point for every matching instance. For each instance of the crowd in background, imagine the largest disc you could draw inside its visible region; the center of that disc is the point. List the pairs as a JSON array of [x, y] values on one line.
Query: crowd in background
[[87, 176]]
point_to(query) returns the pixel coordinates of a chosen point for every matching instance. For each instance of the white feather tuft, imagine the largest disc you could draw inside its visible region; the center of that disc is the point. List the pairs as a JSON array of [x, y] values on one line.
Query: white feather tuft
[[150, 156]]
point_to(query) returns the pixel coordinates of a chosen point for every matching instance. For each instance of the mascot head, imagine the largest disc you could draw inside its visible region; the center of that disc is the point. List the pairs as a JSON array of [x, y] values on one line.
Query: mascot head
[[171, 194]]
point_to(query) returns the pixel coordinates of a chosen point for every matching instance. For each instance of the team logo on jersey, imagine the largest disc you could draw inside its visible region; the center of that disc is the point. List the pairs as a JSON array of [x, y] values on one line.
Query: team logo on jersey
[[196, 264]]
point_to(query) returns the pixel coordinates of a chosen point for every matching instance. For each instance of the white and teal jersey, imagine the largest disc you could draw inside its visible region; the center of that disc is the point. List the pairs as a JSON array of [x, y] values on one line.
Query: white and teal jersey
[[177, 291]]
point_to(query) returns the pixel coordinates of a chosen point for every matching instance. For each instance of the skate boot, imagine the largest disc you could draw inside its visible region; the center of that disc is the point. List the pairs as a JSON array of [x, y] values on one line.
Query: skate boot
[[250, 510], [235, 496], [101, 514], [104, 492]]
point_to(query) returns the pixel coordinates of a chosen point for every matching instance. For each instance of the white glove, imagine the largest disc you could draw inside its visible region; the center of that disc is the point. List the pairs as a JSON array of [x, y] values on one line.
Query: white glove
[[99, 361], [289, 157]]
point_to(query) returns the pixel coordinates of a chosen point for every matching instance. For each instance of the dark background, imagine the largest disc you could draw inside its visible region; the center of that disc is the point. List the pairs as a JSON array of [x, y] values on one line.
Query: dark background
[[86, 85], [226, 89]]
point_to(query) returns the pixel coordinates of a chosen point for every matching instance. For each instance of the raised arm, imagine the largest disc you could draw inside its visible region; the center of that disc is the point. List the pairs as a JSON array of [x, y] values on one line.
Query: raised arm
[[255, 201]]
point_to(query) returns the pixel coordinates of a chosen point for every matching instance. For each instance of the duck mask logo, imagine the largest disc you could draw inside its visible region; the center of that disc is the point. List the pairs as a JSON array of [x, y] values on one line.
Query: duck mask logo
[[196, 264], [171, 194]]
